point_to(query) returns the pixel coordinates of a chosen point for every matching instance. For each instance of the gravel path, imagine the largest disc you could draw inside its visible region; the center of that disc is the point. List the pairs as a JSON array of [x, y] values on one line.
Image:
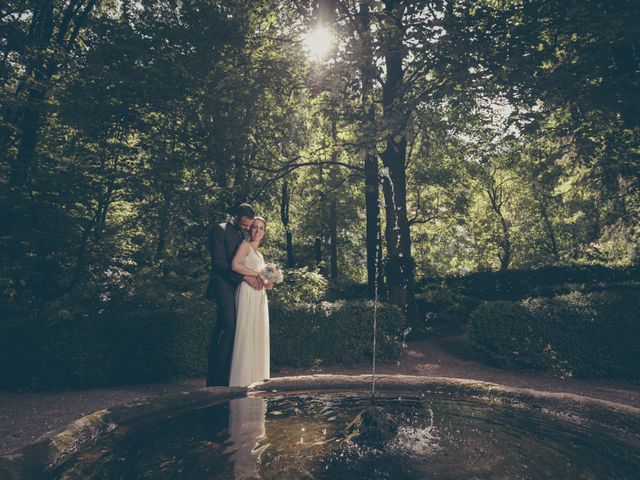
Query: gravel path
[[451, 357], [24, 417]]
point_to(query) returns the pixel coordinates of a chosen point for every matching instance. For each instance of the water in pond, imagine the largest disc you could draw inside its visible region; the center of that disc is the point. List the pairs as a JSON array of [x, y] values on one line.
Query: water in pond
[[295, 437]]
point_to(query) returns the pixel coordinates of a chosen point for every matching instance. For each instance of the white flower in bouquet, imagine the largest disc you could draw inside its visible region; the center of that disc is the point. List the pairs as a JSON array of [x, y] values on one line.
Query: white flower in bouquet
[[272, 273]]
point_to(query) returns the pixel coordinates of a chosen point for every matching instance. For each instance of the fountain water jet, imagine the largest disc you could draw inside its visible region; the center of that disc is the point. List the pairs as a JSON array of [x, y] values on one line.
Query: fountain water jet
[[373, 426]]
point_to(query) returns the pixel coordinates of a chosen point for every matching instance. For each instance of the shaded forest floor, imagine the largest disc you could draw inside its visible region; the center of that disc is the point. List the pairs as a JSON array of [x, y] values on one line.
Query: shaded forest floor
[[24, 417], [451, 357]]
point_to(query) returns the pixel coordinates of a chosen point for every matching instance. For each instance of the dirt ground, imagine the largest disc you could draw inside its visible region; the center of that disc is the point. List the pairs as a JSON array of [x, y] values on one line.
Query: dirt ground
[[24, 417]]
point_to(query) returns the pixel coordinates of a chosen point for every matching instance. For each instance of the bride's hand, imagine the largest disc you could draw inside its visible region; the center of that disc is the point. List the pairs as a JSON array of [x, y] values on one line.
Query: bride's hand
[[268, 286]]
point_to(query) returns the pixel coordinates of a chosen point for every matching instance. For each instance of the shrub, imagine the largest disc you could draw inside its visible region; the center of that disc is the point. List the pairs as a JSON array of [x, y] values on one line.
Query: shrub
[[19, 358], [347, 291], [591, 335], [153, 335], [156, 333], [545, 281], [300, 285], [443, 311], [503, 332], [587, 335], [305, 335]]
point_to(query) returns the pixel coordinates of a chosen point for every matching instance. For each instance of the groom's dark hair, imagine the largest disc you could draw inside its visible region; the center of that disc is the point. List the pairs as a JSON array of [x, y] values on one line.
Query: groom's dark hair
[[244, 210]]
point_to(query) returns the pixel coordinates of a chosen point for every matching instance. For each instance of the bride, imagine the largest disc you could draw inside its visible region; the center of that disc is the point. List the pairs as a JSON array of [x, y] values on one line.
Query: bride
[[250, 360]]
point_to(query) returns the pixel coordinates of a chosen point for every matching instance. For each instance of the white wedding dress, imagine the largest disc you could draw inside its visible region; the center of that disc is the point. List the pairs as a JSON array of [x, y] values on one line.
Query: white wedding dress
[[250, 359]]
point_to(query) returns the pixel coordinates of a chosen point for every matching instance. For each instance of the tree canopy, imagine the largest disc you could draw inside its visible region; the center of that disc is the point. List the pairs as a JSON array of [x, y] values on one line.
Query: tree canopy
[[434, 138]]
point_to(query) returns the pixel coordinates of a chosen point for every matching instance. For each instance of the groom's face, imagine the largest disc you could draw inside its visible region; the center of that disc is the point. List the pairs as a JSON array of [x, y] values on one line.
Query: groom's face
[[245, 223]]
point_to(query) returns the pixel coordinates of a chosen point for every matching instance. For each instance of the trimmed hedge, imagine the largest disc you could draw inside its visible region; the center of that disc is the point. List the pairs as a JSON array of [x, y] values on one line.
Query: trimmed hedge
[[586, 335], [333, 333], [155, 338], [545, 281], [443, 311], [138, 342]]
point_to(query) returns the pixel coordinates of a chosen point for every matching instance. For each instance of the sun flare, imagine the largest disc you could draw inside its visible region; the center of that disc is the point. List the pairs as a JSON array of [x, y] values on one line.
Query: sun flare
[[318, 42]]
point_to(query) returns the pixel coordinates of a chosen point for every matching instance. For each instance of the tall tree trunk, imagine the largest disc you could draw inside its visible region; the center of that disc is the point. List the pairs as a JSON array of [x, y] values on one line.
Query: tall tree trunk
[[399, 268], [163, 227], [29, 128], [596, 220], [320, 235], [103, 211], [372, 200], [333, 202], [284, 216], [82, 250], [505, 258], [611, 190], [47, 49], [317, 250], [94, 226], [221, 167], [88, 229], [496, 193], [548, 226]]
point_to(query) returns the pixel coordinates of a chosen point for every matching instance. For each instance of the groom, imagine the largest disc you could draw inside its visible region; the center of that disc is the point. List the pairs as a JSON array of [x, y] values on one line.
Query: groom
[[224, 240]]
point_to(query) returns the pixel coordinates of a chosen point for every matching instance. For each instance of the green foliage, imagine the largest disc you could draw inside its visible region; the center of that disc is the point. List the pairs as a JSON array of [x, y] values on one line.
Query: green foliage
[[125, 131], [150, 328], [545, 281], [306, 335], [502, 331], [444, 311], [144, 137], [154, 334], [300, 285], [586, 335], [347, 291]]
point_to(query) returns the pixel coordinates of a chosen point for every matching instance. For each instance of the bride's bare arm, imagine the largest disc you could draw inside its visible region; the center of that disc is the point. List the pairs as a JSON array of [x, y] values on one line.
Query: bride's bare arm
[[237, 264]]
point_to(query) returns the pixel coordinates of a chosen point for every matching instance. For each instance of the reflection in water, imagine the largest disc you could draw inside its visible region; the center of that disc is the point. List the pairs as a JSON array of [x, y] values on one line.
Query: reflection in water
[[302, 436], [246, 428]]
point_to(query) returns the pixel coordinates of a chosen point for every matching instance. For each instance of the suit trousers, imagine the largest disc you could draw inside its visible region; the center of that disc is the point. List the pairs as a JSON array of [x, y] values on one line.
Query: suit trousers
[[221, 348]]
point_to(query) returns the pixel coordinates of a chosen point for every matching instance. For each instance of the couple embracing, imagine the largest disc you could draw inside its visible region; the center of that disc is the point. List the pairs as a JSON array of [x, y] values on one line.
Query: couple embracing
[[239, 351]]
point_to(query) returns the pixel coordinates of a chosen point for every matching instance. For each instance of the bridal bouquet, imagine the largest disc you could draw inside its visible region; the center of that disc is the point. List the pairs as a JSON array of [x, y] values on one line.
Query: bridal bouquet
[[272, 273]]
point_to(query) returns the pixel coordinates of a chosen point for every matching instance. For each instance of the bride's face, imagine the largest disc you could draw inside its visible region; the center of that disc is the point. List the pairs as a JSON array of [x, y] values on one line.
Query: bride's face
[[257, 230]]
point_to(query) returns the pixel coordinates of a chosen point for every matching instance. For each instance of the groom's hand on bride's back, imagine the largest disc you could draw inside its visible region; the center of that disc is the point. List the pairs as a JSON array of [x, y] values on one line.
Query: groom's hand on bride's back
[[254, 282]]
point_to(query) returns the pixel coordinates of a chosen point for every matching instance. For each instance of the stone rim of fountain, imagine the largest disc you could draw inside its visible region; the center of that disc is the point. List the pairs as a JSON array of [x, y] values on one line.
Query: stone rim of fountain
[[38, 458], [42, 456], [431, 384], [597, 411]]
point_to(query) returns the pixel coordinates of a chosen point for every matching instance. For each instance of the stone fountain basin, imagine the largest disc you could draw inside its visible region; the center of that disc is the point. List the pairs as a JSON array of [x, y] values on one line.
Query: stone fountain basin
[[34, 460]]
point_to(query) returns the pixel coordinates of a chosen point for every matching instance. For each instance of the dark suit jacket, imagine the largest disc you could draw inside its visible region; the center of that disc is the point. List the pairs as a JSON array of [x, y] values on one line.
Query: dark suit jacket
[[224, 240]]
